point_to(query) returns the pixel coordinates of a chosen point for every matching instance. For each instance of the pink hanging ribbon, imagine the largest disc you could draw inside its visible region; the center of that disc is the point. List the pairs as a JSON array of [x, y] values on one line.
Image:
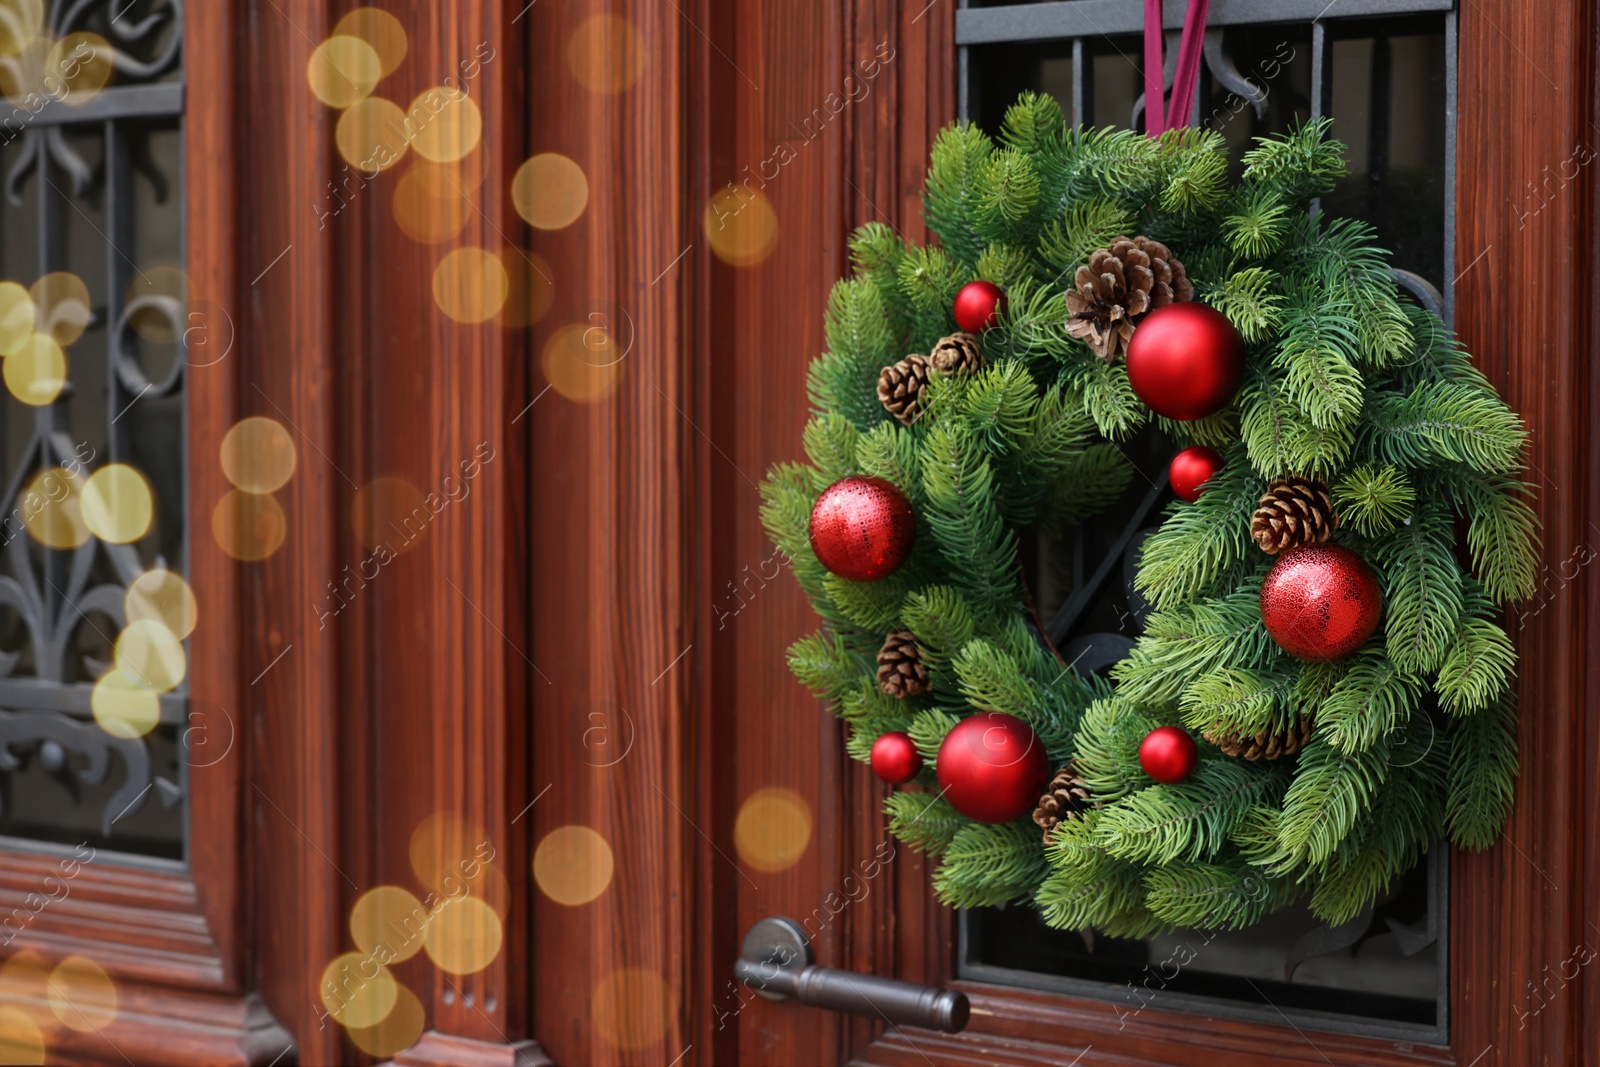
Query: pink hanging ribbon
[[1156, 118]]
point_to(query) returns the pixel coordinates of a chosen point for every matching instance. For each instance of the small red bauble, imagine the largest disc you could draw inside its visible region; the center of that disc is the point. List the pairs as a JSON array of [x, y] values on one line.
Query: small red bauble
[[1189, 470], [1168, 754], [862, 528], [978, 306], [895, 758], [992, 767], [1320, 602], [1185, 360]]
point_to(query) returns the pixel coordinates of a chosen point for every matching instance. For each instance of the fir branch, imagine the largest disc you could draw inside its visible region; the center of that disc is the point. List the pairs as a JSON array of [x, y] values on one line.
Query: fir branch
[[1198, 542], [950, 195], [1422, 589], [1247, 298], [1371, 698], [1330, 792], [963, 516], [830, 443], [1192, 820], [1502, 531], [1372, 500], [1448, 422], [1229, 895], [1088, 483], [987, 865], [1483, 773], [824, 665], [923, 821], [1477, 670]]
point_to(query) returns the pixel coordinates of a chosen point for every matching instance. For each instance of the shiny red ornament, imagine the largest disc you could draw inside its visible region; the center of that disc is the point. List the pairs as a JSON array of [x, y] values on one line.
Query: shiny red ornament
[[1168, 754], [1189, 469], [862, 528], [992, 767], [979, 306], [1185, 360], [1320, 602], [895, 758]]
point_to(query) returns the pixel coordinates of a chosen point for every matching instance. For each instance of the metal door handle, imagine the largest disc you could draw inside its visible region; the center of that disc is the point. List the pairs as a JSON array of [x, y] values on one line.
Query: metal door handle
[[777, 962]]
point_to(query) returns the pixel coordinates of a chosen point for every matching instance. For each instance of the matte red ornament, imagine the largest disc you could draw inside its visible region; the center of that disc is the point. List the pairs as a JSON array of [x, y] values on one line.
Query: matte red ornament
[[978, 306], [862, 528], [895, 758], [1185, 360], [1168, 754], [1189, 470], [992, 767], [1320, 602]]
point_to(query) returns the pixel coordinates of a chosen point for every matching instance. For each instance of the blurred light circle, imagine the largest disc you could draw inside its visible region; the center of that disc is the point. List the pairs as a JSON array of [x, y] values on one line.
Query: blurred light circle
[[61, 306], [342, 70], [124, 706], [82, 995], [573, 865], [51, 509], [443, 846], [772, 829], [78, 67], [456, 178], [21, 1040], [20, 23], [423, 215], [573, 367], [152, 654], [741, 225], [606, 54], [117, 505], [550, 191], [529, 288], [37, 372], [164, 596], [464, 936], [357, 990], [258, 454], [248, 526], [379, 29], [445, 124], [16, 317], [386, 512], [155, 300], [470, 285], [371, 135], [24, 980], [632, 1008], [398, 1031], [391, 917]]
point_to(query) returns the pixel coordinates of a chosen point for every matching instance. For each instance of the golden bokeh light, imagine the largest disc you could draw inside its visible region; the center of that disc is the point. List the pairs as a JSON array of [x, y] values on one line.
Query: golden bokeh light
[[445, 124], [51, 508], [61, 306], [82, 995], [464, 936], [258, 454], [22, 74], [357, 990], [23, 981], [606, 54], [379, 29], [342, 70], [380, 510], [550, 191], [632, 1008], [16, 316], [772, 829], [491, 887], [741, 225], [37, 372], [159, 293], [391, 917], [249, 526], [424, 216], [529, 288], [21, 1041], [573, 865], [78, 66], [152, 654], [574, 364], [444, 846], [117, 504], [457, 178], [470, 285], [20, 23], [125, 706], [398, 1031], [371, 135], [164, 596]]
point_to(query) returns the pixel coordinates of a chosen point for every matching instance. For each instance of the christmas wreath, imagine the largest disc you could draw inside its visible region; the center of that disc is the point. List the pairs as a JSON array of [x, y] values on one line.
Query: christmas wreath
[[1322, 689]]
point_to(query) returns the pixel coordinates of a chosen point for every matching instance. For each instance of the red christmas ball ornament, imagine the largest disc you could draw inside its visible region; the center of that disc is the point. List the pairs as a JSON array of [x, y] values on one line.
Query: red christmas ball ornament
[[978, 306], [1185, 360], [1189, 469], [992, 767], [1168, 754], [895, 758], [1320, 602], [862, 528]]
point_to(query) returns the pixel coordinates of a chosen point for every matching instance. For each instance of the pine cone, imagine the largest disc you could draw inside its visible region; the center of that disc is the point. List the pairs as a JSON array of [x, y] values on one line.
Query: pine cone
[[955, 354], [1066, 799], [902, 387], [1294, 511], [1117, 287], [901, 672], [1264, 745]]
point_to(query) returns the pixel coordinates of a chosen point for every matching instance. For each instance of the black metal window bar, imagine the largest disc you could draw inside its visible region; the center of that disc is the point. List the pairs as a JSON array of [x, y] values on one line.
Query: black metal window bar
[[93, 188], [1385, 70]]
